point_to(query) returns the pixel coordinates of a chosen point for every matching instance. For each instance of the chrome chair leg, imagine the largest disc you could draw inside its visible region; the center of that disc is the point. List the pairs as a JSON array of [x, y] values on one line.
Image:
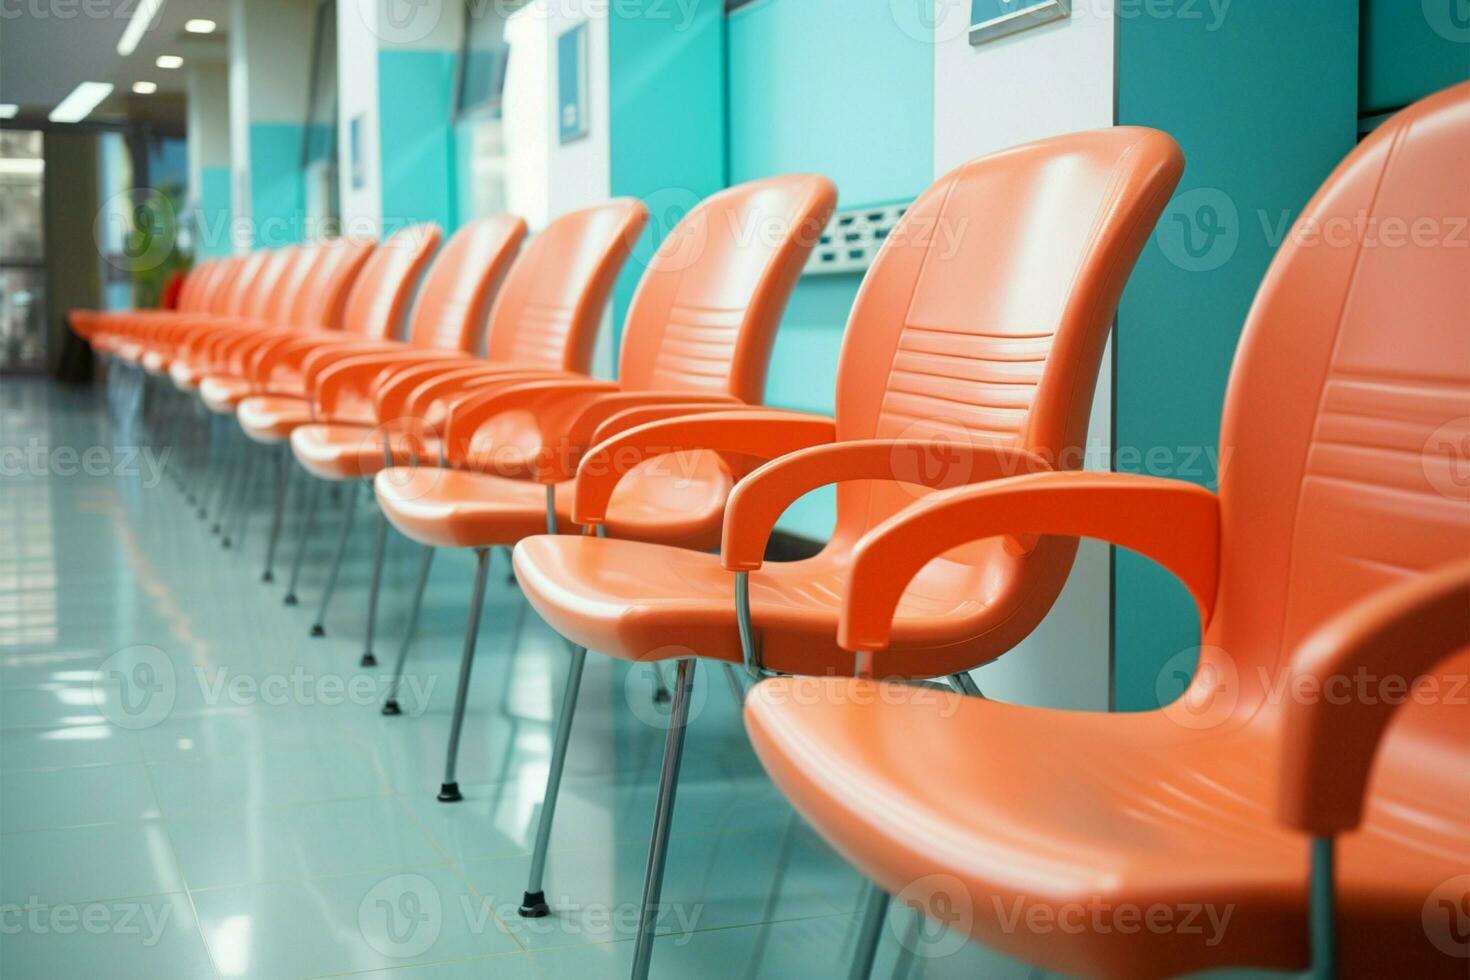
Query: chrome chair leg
[[225, 484], [313, 500], [390, 704], [349, 510], [283, 492], [380, 547], [875, 910], [533, 904], [663, 816], [449, 791], [965, 684]]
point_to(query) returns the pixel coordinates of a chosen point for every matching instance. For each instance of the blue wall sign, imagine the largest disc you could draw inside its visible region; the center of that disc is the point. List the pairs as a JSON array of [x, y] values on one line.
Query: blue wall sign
[[991, 19], [571, 83]]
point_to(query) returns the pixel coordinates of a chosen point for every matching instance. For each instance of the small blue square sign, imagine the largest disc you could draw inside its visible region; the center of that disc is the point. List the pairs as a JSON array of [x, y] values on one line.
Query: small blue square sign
[[571, 83], [991, 19]]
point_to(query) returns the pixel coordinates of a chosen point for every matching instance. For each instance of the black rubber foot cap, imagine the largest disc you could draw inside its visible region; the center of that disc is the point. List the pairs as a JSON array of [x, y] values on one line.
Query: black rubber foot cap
[[390, 707], [368, 660], [214, 529], [290, 599], [225, 543], [317, 629], [533, 906], [267, 576], [661, 696], [449, 793]]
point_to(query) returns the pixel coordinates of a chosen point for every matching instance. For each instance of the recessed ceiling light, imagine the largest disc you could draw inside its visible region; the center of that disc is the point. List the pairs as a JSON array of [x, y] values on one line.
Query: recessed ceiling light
[[145, 88], [200, 25], [143, 16], [8, 110], [169, 61], [80, 102]]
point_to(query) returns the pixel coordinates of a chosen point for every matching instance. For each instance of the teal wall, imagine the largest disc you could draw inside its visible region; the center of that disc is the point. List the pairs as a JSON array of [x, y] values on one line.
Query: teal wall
[[667, 110], [822, 86], [416, 137], [213, 237], [277, 191], [1410, 49], [1256, 148]]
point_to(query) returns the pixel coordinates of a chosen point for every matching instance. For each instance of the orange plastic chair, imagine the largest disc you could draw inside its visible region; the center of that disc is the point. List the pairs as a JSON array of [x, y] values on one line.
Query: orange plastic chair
[[543, 323], [1313, 781], [699, 329], [972, 352]]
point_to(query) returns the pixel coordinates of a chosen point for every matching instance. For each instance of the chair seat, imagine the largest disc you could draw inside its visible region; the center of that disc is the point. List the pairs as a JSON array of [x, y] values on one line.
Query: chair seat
[[185, 378], [1052, 815], [221, 393], [272, 418], [342, 451], [155, 363], [641, 601], [461, 509]]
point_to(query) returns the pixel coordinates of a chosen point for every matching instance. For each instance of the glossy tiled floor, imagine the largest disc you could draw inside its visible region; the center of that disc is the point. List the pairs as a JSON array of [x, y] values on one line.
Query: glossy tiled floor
[[192, 787]]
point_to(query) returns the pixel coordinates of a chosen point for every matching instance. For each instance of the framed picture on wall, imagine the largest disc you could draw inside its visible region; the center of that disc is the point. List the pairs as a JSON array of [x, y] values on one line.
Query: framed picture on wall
[[991, 19], [571, 83]]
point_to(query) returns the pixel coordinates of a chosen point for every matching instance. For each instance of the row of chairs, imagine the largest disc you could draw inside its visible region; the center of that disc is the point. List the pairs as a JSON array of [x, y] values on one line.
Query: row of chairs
[[1334, 831]]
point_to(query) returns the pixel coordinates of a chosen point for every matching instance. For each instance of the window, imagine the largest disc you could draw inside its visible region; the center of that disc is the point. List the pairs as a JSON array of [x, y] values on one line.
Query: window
[[22, 251]]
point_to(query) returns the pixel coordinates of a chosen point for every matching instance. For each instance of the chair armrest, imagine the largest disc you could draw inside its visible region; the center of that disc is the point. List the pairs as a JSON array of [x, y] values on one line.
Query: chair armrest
[[295, 353], [629, 418], [1329, 740], [395, 385], [1177, 524], [588, 415], [331, 373], [763, 496], [761, 432], [549, 400]]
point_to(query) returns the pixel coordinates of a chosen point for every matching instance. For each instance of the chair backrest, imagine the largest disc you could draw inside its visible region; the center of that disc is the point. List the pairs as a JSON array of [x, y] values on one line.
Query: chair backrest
[[214, 293], [321, 302], [450, 311], [984, 316], [1345, 438], [242, 290], [267, 285], [290, 294], [705, 313], [547, 311], [196, 284], [382, 290]]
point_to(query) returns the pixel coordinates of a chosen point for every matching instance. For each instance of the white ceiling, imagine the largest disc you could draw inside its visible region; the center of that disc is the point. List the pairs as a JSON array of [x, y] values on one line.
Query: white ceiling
[[48, 46]]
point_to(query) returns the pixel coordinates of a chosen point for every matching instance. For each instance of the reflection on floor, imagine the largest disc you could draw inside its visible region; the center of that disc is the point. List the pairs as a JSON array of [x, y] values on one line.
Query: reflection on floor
[[192, 787]]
